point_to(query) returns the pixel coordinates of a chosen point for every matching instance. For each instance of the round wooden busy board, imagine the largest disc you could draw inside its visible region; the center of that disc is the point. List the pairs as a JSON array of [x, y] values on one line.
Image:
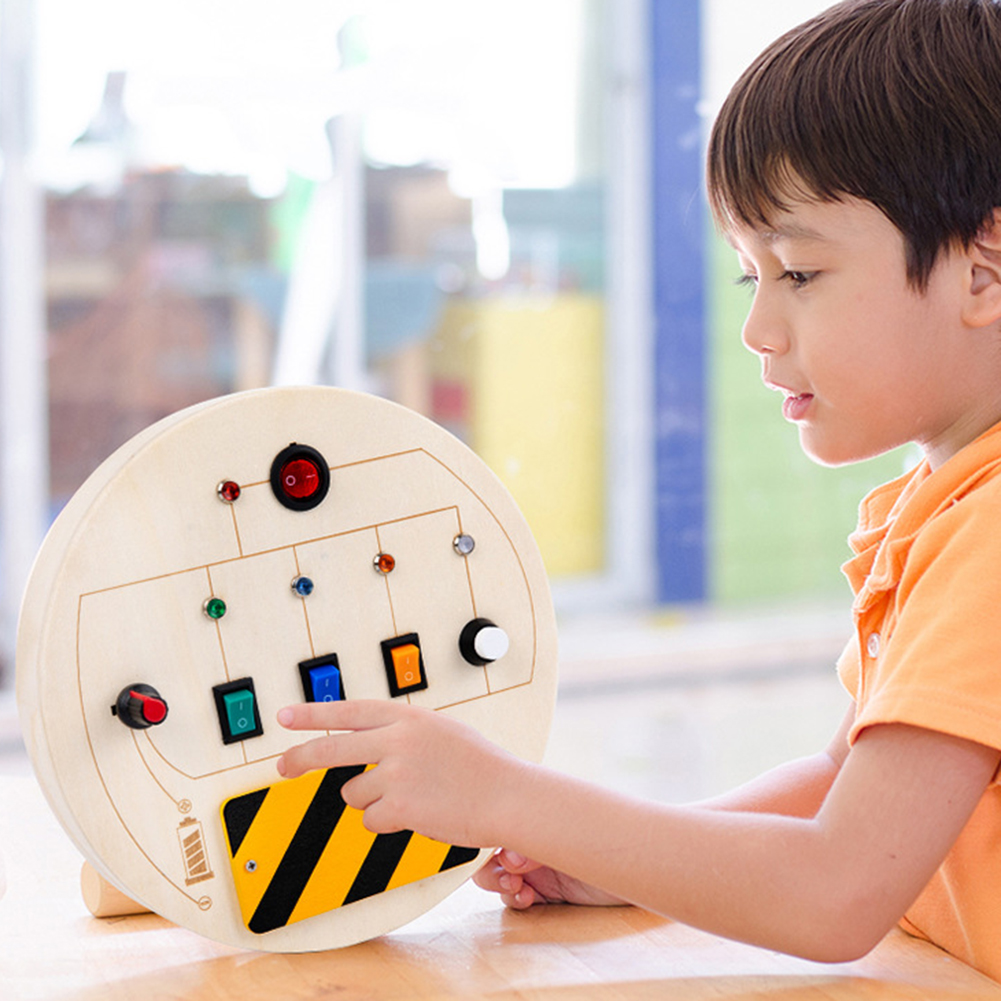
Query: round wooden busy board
[[259, 549]]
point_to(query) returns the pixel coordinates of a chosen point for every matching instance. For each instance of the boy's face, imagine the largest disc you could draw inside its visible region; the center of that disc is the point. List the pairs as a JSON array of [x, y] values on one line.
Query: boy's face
[[865, 361]]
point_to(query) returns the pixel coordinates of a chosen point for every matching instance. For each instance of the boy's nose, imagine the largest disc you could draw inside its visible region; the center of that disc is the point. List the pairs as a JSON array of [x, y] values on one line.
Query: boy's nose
[[763, 332]]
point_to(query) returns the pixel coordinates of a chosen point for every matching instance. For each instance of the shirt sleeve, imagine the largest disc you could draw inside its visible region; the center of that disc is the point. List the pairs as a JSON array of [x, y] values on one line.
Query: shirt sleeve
[[937, 661], [849, 667]]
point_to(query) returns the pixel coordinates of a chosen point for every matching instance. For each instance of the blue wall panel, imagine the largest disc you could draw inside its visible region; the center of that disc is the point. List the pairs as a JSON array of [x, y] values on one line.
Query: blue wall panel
[[679, 231]]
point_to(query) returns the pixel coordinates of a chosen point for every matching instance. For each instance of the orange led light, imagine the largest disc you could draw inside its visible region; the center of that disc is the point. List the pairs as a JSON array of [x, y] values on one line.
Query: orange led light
[[385, 563]]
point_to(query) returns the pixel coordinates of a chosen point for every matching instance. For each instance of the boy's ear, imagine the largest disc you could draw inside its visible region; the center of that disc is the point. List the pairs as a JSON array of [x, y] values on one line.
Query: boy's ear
[[983, 302]]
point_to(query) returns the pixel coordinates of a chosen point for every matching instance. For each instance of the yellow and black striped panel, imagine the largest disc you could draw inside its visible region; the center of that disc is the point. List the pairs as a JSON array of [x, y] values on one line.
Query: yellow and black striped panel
[[297, 850]]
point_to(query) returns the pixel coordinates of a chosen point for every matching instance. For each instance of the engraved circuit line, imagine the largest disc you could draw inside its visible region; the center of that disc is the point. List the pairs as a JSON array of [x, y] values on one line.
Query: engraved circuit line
[[100, 774], [267, 552]]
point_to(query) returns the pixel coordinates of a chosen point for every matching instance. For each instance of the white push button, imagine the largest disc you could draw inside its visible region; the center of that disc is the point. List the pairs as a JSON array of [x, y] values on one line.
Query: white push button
[[482, 642], [491, 643]]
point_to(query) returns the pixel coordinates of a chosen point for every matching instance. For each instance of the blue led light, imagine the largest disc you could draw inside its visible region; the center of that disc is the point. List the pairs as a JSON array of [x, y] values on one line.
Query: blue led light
[[302, 586]]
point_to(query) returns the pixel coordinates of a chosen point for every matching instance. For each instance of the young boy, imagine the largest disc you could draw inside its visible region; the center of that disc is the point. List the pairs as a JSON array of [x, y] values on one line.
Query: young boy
[[856, 169]]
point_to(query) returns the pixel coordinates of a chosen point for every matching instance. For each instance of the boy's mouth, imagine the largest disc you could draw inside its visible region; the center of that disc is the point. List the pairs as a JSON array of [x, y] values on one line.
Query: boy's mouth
[[795, 405], [794, 408]]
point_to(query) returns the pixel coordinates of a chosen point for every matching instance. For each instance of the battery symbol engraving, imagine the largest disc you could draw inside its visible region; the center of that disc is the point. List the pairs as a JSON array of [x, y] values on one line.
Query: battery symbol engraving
[[196, 860]]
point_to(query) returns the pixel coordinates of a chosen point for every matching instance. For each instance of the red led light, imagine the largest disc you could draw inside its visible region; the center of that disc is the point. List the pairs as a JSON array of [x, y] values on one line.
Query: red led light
[[228, 491], [300, 479]]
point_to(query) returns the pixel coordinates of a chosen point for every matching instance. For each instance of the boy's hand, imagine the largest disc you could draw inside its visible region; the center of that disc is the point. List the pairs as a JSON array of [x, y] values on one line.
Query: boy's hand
[[522, 883], [433, 774]]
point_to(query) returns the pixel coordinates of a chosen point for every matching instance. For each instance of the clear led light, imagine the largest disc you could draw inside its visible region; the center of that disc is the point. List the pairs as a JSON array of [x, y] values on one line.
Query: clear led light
[[464, 544]]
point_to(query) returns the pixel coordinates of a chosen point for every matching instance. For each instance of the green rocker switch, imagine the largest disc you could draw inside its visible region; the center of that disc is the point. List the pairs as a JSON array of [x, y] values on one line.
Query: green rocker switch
[[239, 716]]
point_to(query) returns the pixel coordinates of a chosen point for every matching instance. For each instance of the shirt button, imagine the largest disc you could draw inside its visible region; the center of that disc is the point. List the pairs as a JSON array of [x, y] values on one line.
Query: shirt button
[[872, 645]]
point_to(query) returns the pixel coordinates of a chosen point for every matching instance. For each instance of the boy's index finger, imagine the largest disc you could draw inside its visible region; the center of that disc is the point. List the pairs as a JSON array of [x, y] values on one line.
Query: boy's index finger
[[363, 714]]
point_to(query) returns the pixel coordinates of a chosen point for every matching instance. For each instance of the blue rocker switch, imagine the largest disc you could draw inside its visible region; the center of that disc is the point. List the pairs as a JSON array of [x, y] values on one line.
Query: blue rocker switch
[[321, 679], [326, 683]]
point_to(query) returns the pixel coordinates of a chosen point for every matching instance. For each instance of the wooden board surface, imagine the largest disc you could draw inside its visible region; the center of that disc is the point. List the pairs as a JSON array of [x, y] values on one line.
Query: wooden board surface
[[466, 947], [115, 609]]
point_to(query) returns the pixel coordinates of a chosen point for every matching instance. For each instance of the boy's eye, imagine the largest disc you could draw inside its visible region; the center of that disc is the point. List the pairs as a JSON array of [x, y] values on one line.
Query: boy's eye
[[798, 279]]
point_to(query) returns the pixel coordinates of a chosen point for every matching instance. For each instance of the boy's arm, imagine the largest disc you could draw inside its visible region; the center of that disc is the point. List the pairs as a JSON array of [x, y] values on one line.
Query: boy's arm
[[827, 887], [794, 789]]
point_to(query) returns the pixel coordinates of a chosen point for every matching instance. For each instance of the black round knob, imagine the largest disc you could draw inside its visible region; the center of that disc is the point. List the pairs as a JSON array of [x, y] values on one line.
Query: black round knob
[[481, 642], [140, 707]]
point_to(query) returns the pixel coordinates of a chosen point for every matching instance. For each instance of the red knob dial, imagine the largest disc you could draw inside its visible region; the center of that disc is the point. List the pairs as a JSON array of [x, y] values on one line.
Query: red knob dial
[[140, 707]]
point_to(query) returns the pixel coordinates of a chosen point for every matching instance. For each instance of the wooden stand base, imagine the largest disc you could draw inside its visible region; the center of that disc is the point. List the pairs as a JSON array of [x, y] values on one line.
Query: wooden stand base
[[104, 900]]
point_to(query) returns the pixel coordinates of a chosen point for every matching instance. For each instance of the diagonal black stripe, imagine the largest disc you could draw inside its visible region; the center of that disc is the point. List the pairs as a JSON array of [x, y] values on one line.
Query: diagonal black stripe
[[457, 855], [379, 865], [302, 854], [239, 814]]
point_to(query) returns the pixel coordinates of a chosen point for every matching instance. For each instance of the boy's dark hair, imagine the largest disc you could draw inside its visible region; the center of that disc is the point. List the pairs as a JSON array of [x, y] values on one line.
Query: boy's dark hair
[[897, 102]]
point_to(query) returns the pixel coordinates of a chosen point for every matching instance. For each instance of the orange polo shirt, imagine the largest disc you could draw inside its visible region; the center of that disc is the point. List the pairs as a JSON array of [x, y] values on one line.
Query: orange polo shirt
[[927, 651]]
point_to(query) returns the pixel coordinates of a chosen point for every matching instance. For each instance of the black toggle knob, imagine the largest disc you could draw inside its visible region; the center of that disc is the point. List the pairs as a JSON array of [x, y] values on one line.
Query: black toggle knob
[[140, 707]]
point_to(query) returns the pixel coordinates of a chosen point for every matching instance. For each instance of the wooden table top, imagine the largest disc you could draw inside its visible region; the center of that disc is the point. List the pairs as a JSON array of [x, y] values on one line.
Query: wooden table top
[[466, 947]]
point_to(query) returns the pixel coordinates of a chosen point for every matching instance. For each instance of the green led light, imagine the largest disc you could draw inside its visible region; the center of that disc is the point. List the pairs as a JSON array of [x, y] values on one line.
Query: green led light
[[214, 608]]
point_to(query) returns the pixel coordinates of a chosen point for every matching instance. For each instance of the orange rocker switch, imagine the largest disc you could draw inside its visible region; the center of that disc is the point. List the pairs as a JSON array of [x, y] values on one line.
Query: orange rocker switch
[[404, 664]]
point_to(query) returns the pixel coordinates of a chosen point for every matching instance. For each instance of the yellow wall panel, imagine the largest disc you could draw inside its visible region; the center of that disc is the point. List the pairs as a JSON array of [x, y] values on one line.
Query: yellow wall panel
[[535, 376]]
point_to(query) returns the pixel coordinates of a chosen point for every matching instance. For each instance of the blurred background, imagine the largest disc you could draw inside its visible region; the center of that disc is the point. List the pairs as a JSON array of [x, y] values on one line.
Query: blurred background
[[489, 212]]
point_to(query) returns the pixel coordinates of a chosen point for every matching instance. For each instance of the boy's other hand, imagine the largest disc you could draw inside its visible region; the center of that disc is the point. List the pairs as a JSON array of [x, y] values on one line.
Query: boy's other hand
[[522, 883]]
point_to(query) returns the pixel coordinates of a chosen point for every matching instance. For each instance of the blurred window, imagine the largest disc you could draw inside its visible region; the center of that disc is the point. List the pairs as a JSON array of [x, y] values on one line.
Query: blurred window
[[404, 198]]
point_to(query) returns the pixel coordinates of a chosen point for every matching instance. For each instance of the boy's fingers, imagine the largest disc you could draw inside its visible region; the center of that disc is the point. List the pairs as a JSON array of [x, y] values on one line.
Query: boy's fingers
[[298, 760], [490, 876], [522, 900], [513, 862], [336, 751], [363, 714], [514, 892], [499, 876], [361, 791]]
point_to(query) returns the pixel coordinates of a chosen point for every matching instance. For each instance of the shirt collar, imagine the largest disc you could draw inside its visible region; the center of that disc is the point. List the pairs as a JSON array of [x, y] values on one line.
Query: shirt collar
[[891, 517]]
